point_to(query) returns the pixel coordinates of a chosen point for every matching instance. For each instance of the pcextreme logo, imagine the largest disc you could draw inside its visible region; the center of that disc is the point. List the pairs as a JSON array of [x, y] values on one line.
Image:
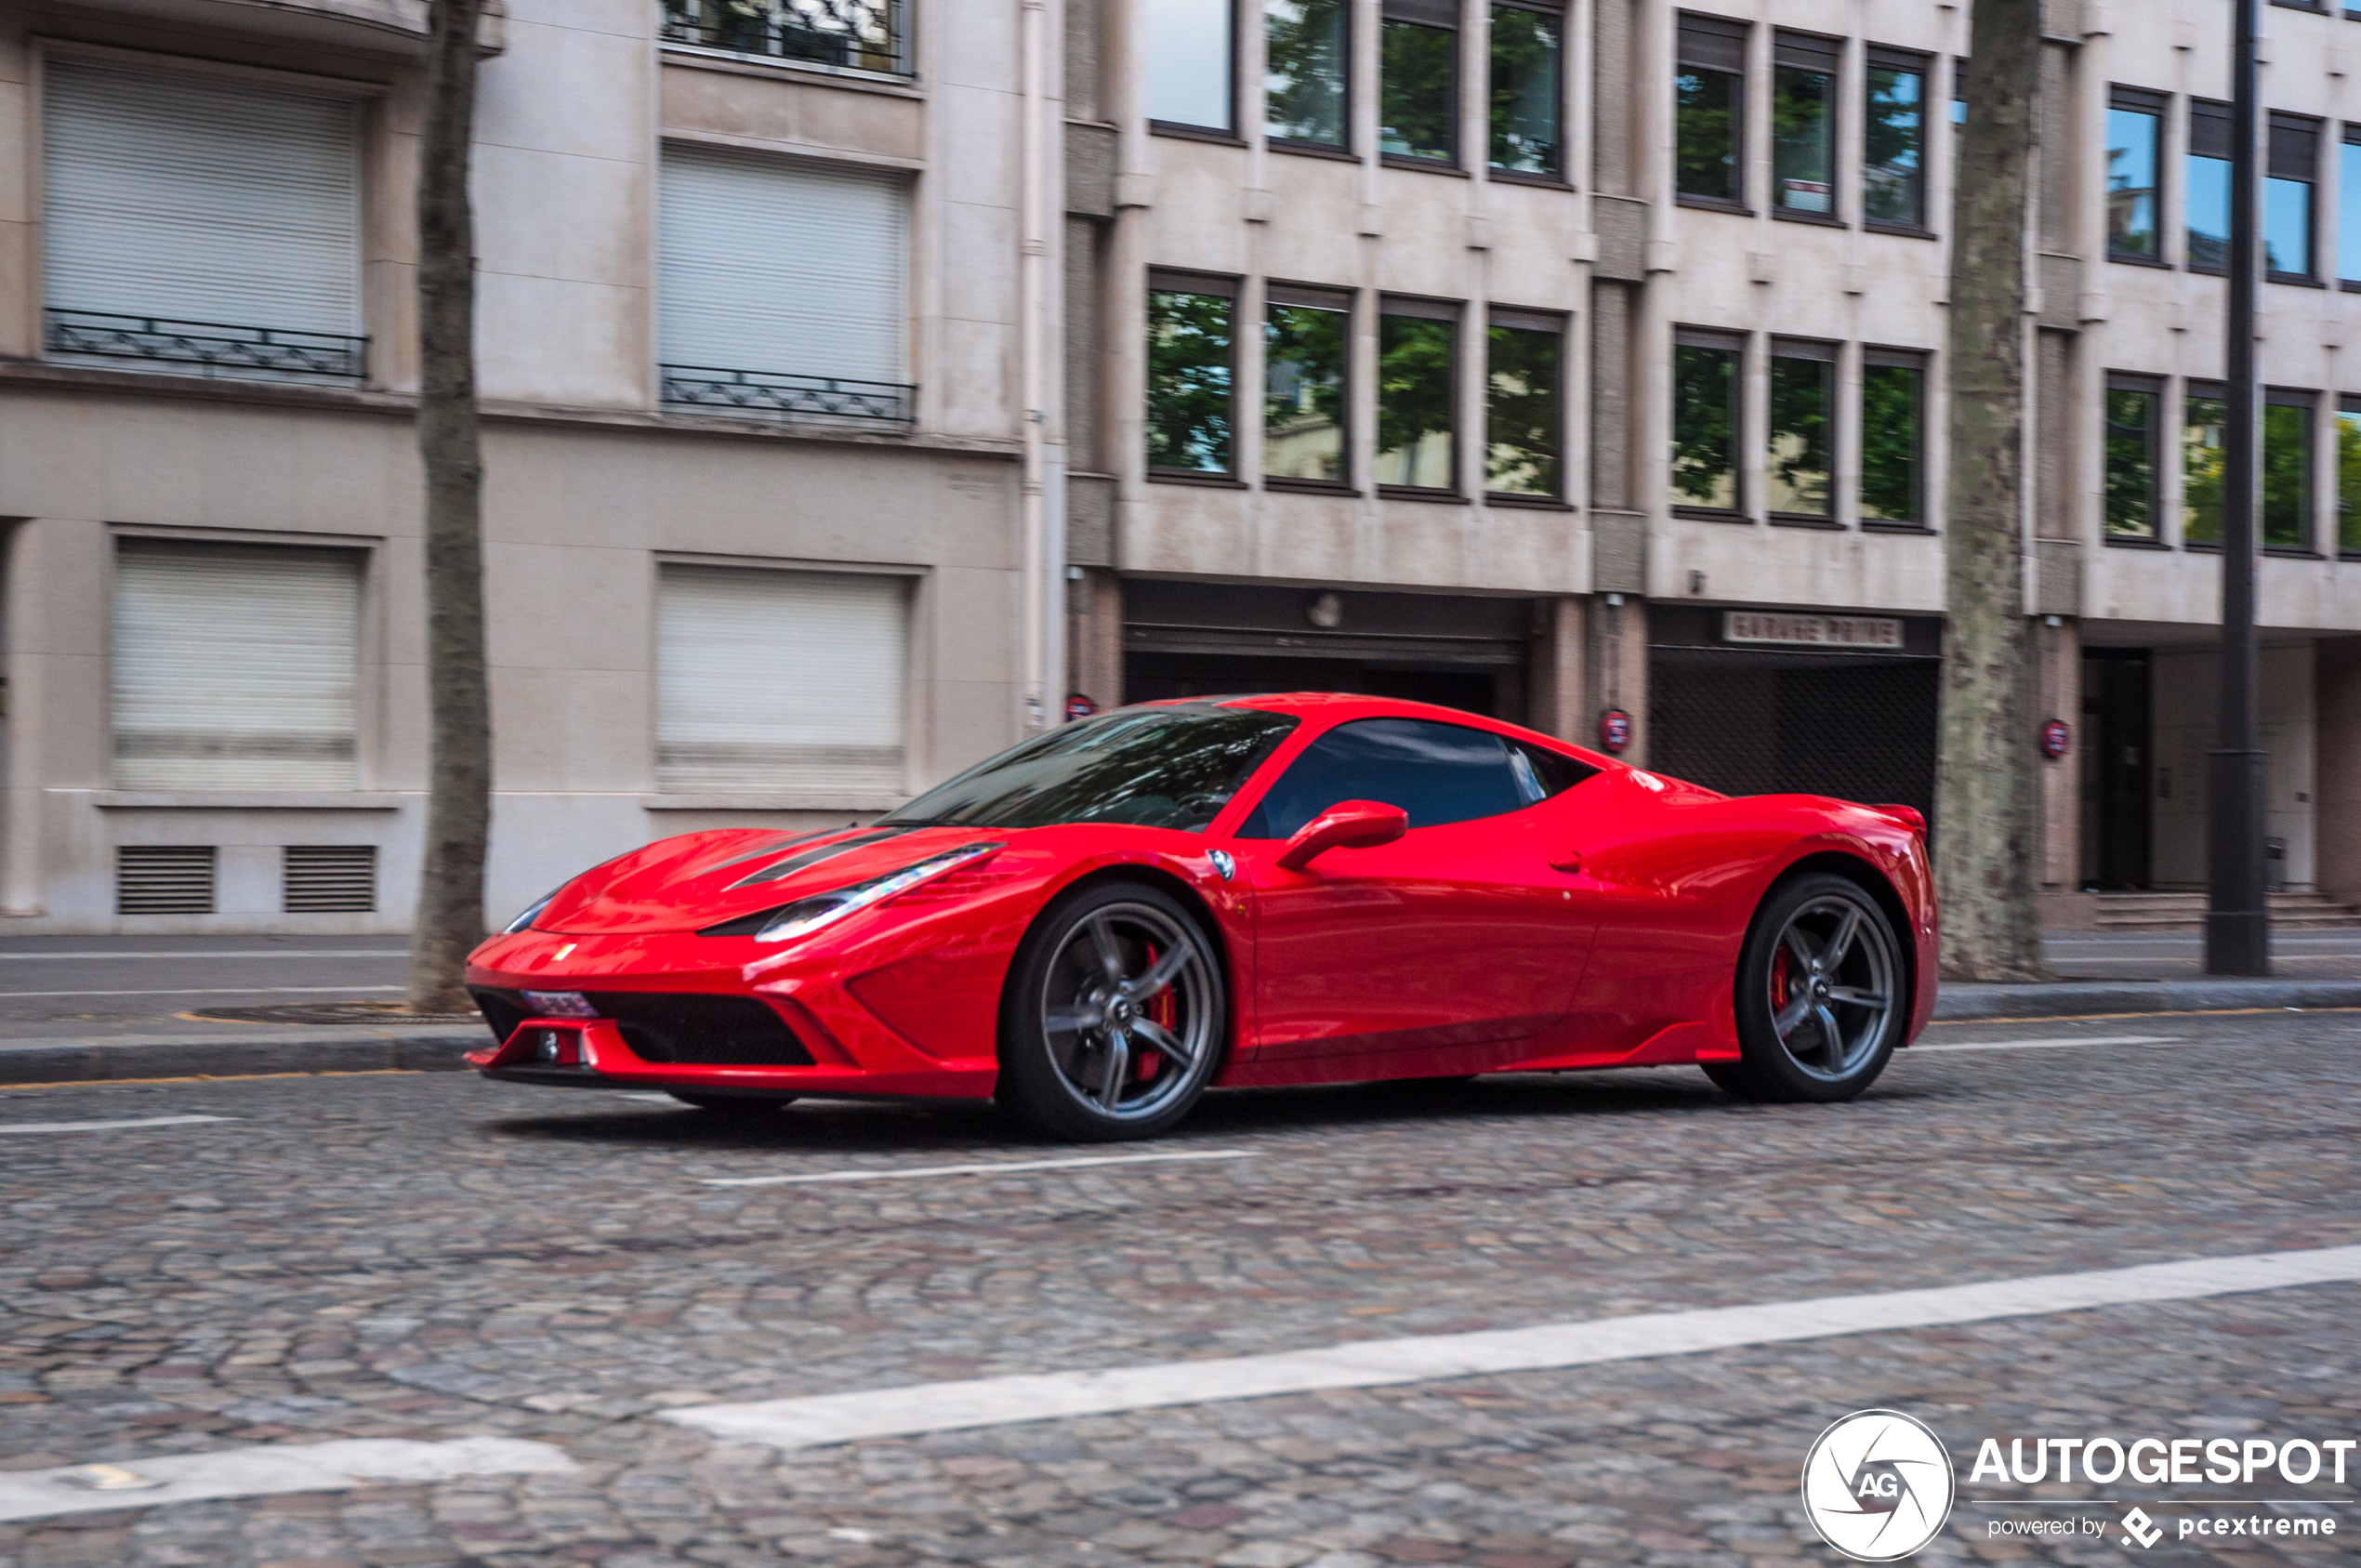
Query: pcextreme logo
[[1878, 1485]]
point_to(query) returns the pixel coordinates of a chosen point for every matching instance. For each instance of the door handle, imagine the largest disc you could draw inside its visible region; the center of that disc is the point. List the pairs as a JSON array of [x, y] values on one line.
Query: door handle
[[1567, 860]]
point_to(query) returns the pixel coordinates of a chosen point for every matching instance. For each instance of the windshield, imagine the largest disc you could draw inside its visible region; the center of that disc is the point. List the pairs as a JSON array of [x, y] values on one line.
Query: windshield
[[1174, 767]]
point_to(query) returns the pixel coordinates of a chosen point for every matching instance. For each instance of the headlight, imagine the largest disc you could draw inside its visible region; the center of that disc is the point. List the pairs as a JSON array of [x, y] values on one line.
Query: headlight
[[533, 911], [822, 910]]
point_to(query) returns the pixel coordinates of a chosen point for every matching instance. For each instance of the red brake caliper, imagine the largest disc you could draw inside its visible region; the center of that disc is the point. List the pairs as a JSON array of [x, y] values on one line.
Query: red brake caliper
[[1160, 1010], [1782, 982]]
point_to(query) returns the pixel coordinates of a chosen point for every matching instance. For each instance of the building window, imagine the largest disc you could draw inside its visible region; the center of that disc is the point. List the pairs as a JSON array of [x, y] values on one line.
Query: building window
[[783, 288], [2204, 425], [2349, 208], [1418, 87], [1524, 404], [235, 666], [1803, 125], [2349, 476], [768, 680], [1527, 85], [1188, 373], [848, 35], [193, 227], [2135, 128], [1893, 436], [1418, 354], [1894, 141], [2287, 468], [1305, 334], [1705, 420], [2206, 191], [2287, 198], [1710, 99], [2133, 403], [1803, 404], [1189, 53], [1307, 61]]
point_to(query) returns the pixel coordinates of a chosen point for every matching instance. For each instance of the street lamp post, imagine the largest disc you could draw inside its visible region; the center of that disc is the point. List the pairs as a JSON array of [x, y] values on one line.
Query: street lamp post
[[2237, 921]]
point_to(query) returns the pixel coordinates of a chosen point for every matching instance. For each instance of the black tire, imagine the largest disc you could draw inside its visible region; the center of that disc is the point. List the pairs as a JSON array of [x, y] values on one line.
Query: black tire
[[1114, 1017], [1821, 996], [748, 1105]]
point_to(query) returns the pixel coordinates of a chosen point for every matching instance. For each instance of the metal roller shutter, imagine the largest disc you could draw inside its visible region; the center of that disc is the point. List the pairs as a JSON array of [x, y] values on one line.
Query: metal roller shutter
[[782, 267], [771, 680], [235, 666], [199, 201]]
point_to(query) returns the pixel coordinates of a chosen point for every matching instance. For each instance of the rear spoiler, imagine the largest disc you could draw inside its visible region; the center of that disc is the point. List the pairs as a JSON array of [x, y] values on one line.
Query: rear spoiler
[[1908, 816]]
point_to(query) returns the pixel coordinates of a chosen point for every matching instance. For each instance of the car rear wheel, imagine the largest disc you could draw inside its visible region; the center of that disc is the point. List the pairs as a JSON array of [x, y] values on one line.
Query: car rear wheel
[[734, 1104], [1114, 1016], [1822, 1000]]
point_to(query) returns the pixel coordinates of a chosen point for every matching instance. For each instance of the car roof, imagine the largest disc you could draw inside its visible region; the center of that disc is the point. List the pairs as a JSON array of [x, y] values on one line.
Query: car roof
[[1336, 708]]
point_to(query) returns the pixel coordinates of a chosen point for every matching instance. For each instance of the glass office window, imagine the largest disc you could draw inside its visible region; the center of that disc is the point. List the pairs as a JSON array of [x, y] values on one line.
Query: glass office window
[[2287, 196], [1418, 82], [1418, 349], [2349, 477], [2349, 207], [1189, 380], [1524, 405], [2205, 422], [2131, 458], [2135, 128], [2286, 471], [1803, 392], [1189, 54], [1705, 422], [1893, 436], [1526, 77], [1303, 388], [1803, 125], [1306, 56], [2204, 196], [1893, 140], [1708, 89]]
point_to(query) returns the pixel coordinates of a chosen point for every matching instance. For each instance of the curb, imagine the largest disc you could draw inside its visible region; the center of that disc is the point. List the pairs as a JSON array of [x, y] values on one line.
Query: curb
[[177, 1056], [1956, 1004]]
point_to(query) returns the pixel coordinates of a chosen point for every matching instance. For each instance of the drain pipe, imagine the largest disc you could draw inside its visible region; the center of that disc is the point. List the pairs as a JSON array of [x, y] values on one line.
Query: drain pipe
[[1044, 479]]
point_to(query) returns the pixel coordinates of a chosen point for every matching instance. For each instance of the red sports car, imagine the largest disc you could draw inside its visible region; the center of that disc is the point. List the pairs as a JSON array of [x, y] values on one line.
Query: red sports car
[[1097, 924]]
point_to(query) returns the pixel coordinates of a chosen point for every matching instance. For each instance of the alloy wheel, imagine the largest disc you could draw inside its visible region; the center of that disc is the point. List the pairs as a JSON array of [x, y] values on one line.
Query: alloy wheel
[[1127, 1005], [1835, 992]]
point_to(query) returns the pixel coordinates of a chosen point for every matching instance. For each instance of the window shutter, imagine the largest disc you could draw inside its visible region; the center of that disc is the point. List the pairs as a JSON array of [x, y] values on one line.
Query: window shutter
[[199, 201], [783, 267], [2210, 134], [235, 666], [1714, 43], [2295, 147], [768, 680]]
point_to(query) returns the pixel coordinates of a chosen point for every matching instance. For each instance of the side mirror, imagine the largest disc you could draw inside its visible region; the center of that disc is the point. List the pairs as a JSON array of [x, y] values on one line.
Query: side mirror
[[1348, 824]]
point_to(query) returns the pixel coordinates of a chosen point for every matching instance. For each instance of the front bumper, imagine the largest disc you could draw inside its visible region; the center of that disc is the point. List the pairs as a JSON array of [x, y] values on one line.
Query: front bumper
[[593, 1053]]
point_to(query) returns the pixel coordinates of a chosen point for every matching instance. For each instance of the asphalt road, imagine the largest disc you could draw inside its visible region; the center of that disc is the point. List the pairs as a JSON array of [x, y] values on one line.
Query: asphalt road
[[430, 1259]]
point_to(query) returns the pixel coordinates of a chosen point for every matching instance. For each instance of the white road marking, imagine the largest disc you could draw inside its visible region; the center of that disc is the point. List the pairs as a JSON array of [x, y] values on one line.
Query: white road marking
[[991, 1402], [2047, 1045], [994, 1168], [101, 1127], [256, 1472], [217, 991], [256, 953]]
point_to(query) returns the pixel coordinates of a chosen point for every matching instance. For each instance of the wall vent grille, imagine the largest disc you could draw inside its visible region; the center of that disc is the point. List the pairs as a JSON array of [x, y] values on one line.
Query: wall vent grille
[[331, 879], [163, 879]]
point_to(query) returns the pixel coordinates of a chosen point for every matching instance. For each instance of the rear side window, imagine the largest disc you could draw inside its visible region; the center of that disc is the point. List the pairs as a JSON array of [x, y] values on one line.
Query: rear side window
[[1542, 773], [1437, 773]]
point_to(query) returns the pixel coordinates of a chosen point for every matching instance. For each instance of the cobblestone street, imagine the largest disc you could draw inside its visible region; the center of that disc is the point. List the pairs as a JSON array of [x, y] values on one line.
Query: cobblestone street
[[429, 1256]]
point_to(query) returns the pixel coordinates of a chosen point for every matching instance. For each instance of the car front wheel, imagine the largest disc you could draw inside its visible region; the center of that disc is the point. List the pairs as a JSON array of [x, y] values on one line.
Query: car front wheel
[[1822, 995], [1114, 1016]]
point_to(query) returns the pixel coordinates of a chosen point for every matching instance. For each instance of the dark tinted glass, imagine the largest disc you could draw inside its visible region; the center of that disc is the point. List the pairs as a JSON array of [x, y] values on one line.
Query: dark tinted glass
[[1542, 773], [1156, 766], [1437, 773]]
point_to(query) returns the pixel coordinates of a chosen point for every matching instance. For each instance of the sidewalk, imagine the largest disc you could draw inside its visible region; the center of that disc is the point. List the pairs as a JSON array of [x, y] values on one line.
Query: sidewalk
[[2164, 971]]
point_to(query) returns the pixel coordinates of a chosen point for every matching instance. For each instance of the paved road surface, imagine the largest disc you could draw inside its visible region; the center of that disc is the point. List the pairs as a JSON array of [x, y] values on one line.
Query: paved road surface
[[432, 1257]]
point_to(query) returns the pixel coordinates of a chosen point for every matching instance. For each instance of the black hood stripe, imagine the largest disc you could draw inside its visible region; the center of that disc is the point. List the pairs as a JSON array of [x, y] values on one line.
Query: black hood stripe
[[793, 864]]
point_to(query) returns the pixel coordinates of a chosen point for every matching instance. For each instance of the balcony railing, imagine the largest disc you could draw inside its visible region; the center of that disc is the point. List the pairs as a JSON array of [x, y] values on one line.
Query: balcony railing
[[849, 34], [211, 347], [771, 394]]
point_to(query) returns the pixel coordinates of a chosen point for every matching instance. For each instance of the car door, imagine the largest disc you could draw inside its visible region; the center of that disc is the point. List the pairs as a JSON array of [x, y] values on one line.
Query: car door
[[1435, 952]]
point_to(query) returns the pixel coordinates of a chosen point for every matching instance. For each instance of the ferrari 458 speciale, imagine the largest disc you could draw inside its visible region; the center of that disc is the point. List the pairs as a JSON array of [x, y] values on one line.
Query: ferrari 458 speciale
[[1097, 924]]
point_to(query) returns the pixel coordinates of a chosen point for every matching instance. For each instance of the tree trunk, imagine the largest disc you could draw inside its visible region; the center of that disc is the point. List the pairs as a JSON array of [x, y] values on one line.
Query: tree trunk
[[450, 916], [1985, 830]]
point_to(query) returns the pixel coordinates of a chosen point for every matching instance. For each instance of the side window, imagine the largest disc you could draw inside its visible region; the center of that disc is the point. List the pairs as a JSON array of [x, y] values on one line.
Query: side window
[[1541, 774], [1437, 773]]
